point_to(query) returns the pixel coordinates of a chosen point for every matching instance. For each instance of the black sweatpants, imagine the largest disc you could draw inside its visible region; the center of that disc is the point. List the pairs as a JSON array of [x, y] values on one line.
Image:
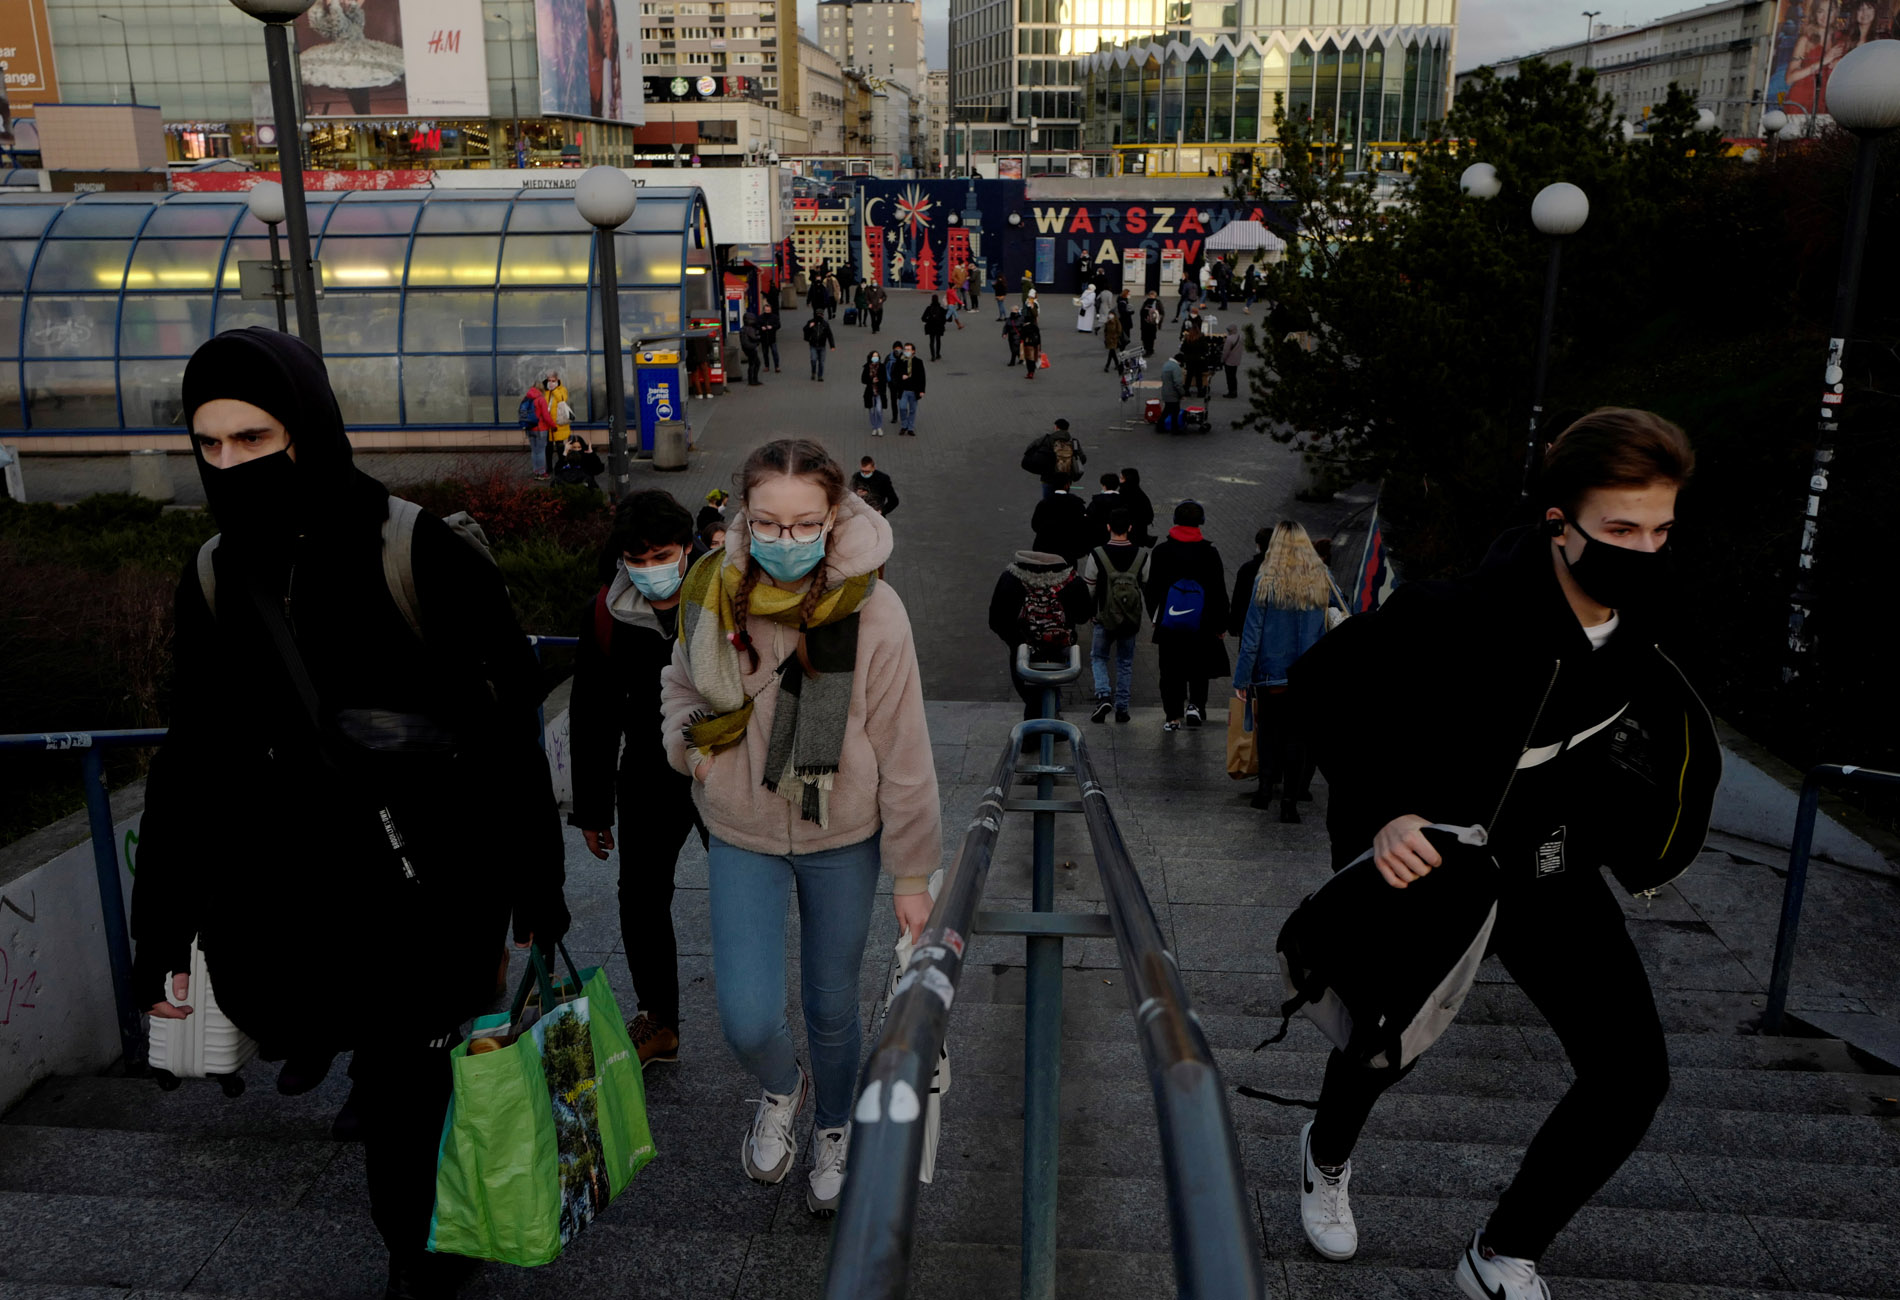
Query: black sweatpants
[[654, 822], [1283, 756], [1564, 941], [402, 1095], [1183, 676]]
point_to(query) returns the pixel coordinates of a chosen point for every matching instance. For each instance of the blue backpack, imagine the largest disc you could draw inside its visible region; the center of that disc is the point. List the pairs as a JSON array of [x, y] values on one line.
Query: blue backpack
[[526, 413], [1182, 609]]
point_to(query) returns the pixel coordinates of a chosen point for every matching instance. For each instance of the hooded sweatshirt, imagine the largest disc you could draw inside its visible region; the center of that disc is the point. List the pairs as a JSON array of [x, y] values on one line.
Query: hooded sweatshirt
[[1035, 569], [264, 841], [887, 778]]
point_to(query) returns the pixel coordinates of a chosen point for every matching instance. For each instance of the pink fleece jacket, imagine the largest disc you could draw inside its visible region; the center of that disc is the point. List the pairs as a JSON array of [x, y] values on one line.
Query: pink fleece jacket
[[887, 778]]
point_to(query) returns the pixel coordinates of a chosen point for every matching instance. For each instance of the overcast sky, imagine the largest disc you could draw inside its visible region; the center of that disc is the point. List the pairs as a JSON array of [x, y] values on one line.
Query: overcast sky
[[1487, 29]]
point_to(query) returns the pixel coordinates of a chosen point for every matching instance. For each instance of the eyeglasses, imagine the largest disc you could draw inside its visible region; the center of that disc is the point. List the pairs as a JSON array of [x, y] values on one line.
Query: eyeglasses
[[764, 530]]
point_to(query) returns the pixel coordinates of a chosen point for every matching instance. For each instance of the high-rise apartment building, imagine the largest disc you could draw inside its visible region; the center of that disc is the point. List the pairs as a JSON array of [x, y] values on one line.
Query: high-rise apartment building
[[883, 38], [822, 94], [937, 122], [718, 38]]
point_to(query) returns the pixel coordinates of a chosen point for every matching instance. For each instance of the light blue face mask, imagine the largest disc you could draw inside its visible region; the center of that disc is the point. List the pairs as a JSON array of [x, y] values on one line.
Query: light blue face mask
[[786, 560], [655, 581]]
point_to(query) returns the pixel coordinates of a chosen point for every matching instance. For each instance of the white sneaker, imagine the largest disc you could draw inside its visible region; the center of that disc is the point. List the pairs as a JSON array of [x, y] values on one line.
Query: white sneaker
[[1193, 715], [829, 1146], [1483, 1274], [1325, 1210], [769, 1145]]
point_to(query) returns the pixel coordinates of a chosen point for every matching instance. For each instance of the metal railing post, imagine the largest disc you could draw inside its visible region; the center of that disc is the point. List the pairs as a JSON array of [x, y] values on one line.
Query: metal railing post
[[105, 861], [1042, 1027]]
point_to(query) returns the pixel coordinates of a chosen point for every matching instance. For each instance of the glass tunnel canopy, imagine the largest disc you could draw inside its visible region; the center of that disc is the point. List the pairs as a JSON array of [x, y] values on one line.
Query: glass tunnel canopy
[[439, 307]]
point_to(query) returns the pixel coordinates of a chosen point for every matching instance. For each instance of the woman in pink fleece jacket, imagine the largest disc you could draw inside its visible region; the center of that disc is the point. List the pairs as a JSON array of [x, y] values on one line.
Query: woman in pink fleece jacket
[[794, 701]]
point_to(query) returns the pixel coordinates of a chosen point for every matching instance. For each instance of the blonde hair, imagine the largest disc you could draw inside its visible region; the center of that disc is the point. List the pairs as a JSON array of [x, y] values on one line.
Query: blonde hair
[[1292, 576]]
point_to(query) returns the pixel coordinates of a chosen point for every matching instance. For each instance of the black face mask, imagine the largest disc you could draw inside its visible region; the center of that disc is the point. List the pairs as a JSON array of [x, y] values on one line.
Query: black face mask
[[256, 499], [1617, 576]]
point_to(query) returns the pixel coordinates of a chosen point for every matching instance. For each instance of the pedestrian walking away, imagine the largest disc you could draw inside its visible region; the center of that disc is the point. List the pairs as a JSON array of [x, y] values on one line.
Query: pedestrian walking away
[[1187, 599], [1250, 285], [1112, 338], [1141, 511], [872, 377], [1281, 617], [910, 381], [1233, 352], [1174, 387], [870, 478], [795, 702], [1244, 578], [769, 325], [1540, 696], [1032, 346], [874, 300], [1038, 601], [1125, 308], [1107, 500], [626, 638], [751, 338], [313, 850], [1190, 294], [833, 292], [934, 318], [1115, 572], [1150, 322], [1056, 458], [1061, 525], [819, 338]]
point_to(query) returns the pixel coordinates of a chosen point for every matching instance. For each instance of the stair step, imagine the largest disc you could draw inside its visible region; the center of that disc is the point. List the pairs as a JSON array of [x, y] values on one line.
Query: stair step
[[244, 1171], [123, 1241], [1316, 1279]]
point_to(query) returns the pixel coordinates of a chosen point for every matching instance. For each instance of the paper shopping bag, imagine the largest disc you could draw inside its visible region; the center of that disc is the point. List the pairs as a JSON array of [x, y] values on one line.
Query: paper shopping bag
[[1243, 740]]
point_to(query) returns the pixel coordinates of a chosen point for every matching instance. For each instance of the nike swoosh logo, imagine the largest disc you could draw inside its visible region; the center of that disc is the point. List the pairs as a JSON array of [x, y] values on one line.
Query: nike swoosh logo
[[1494, 1292], [1177, 613]]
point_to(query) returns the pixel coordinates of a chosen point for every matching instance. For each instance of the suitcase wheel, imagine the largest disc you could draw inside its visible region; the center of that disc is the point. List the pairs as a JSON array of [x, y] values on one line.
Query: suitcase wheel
[[233, 1084], [166, 1080]]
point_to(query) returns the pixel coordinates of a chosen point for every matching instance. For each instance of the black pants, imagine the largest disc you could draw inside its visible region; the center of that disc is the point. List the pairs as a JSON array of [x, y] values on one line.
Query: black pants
[[1148, 341], [1171, 417], [936, 346], [1183, 676], [1233, 377], [402, 1094], [1109, 363], [752, 367], [1283, 755], [1564, 941], [654, 822], [877, 319]]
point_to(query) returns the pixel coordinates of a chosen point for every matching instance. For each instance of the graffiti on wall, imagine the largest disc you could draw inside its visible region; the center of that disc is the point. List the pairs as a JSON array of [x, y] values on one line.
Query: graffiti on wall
[[19, 981]]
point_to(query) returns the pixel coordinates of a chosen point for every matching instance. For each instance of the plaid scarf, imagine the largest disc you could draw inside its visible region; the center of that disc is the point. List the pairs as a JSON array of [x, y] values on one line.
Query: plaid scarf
[[814, 682]]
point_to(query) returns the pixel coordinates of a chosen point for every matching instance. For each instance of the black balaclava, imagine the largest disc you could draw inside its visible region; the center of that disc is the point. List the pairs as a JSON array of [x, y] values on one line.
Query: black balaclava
[[268, 501]]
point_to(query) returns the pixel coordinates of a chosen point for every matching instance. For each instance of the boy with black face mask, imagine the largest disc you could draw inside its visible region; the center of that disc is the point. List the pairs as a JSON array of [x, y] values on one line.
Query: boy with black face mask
[[1540, 704]]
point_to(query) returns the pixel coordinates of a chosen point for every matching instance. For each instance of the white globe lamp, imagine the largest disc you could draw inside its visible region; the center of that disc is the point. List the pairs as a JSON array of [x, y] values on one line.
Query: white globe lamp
[[1773, 121], [1560, 209], [266, 201], [1480, 181], [605, 197], [1863, 94]]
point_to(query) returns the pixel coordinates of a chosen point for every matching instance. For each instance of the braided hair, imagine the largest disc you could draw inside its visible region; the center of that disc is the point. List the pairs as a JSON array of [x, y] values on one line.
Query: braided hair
[[801, 458]]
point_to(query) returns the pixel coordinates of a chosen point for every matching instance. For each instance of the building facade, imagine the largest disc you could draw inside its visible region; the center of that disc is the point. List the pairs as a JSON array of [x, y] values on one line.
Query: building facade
[[1720, 53], [822, 96], [717, 38], [879, 122], [937, 125], [884, 38]]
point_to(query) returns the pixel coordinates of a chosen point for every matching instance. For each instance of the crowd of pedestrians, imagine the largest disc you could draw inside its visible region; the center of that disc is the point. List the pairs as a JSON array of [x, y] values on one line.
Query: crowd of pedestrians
[[747, 677]]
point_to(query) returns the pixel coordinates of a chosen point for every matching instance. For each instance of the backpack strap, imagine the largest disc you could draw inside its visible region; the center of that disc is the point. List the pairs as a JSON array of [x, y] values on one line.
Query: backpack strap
[[208, 574], [399, 560], [603, 622]]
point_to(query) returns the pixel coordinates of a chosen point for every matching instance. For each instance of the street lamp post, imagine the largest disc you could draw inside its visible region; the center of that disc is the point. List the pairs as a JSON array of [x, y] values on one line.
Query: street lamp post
[[1864, 97], [131, 82], [266, 202], [1773, 122], [606, 199], [1589, 32], [1558, 210], [277, 15], [514, 94]]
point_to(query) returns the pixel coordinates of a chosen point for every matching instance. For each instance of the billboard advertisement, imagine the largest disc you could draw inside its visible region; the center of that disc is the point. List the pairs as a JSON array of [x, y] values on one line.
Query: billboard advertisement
[[26, 55], [590, 59], [1811, 36], [384, 58]]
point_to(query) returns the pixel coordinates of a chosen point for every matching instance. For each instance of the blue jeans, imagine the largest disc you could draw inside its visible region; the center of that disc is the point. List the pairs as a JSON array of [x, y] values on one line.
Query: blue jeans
[[1001, 304], [907, 410], [770, 352], [877, 414], [538, 450], [749, 895], [1123, 648], [818, 360]]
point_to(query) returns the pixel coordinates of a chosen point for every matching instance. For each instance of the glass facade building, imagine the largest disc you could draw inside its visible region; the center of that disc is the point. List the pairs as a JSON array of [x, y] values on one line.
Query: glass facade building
[[1366, 72], [439, 306]]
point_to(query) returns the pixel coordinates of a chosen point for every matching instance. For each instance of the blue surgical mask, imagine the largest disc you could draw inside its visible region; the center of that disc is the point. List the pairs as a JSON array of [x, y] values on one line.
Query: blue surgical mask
[[786, 560], [655, 581]]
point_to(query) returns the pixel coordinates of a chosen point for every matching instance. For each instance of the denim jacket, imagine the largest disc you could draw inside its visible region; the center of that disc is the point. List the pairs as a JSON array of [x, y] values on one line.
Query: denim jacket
[[1272, 638]]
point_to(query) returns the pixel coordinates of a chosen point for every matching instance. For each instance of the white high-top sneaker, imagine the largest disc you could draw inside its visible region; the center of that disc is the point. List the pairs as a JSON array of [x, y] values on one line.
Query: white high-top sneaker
[[1483, 1274], [829, 1147], [769, 1145], [1325, 1210]]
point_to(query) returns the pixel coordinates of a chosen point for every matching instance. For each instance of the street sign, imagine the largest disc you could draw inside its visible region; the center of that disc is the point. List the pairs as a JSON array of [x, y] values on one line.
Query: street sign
[[257, 281]]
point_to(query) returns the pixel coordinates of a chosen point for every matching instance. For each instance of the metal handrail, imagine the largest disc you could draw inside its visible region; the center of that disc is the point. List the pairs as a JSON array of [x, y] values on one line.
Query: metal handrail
[[1216, 1250], [1795, 890]]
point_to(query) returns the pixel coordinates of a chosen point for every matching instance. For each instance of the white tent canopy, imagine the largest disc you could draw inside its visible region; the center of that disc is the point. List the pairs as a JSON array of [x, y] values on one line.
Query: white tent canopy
[[1245, 236]]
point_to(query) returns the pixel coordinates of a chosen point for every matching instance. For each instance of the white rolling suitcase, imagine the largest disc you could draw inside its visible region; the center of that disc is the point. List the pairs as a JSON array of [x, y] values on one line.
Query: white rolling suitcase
[[205, 1044]]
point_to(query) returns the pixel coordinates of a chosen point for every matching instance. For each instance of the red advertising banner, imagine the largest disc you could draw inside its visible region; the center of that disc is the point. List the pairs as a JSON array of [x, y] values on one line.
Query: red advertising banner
[[238, 182]]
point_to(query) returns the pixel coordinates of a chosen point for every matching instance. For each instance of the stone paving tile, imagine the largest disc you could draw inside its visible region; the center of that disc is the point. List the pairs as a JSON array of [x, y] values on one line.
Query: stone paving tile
[[1315, 1279], [1847, 1258], [109, 1240], [245, 1171], [1760, 1185]]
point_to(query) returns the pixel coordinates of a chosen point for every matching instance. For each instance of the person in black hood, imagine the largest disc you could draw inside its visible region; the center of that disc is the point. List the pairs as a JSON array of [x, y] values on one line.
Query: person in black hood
[[346, 810], [1535, 701], [626, 638], [1187, 598], [1038, 601]]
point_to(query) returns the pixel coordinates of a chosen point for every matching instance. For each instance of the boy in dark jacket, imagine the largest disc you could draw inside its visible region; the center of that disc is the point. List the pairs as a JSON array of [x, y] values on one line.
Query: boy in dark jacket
[[1534, 699], [1062, 526], [626, 639], [1038, 601], [291, 878], [1187, 598]]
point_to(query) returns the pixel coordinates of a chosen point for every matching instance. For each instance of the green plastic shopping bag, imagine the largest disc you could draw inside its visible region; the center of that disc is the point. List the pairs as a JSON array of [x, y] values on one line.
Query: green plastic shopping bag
[[546, 1124]]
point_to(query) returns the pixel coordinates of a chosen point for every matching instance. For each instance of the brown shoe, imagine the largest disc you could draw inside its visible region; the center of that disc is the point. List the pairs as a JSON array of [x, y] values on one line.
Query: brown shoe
[[653, 1040]]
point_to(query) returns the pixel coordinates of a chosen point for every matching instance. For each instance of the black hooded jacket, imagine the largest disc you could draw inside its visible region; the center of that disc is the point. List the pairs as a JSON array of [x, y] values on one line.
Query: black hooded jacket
[[265, 841], [1428, 705]]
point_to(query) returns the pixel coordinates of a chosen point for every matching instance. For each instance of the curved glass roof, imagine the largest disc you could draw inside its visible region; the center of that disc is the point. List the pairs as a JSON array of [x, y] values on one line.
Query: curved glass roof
[[438, 306]]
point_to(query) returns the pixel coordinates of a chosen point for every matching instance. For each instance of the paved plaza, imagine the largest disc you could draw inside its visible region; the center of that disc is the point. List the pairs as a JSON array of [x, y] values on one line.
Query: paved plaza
[[1773, 1168]]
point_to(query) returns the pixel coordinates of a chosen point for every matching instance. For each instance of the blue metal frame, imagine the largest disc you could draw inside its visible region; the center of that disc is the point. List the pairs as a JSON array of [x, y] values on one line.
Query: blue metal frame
[[323, 212]]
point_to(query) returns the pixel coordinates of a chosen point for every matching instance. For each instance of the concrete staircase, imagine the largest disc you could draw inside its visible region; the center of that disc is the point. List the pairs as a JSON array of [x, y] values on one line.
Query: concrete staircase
[[1773, 1169]]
